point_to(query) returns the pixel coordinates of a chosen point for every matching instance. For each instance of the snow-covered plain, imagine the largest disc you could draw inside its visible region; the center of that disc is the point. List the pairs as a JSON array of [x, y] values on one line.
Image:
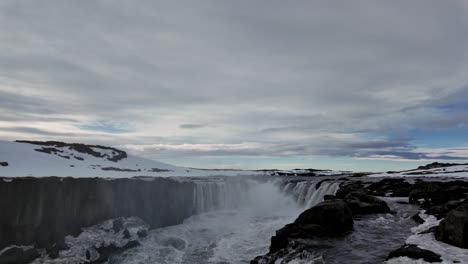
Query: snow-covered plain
[[455, 171], [23, 160]]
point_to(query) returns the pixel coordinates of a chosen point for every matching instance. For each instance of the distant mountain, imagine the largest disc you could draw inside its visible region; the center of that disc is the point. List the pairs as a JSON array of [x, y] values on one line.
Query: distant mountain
[[53, 158], [435, 169]]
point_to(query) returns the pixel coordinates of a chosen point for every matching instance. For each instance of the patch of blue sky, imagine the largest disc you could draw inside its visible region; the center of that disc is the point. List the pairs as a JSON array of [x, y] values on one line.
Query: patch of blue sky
[[107, 127]]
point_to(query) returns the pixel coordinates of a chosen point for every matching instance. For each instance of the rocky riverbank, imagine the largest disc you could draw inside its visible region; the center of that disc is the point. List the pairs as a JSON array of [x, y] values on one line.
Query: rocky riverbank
[[446, 201]]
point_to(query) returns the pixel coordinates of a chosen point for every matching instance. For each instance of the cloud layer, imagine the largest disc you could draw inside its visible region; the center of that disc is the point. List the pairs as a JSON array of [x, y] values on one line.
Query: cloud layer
[[237, 78]]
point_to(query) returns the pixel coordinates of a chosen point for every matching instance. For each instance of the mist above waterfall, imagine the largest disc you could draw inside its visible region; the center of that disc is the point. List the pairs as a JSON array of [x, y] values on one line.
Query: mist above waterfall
[[236, 218]]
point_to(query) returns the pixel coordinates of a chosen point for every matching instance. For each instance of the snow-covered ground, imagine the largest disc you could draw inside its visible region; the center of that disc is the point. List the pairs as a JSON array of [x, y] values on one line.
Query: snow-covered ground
[[24, 160], [423, 240], [455, 171]]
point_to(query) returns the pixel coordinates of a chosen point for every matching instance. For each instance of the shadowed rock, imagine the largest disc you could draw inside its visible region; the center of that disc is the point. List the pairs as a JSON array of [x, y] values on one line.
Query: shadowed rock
[[18, 255], [453, 229], [361, 203], [329, 218], [414, 252]]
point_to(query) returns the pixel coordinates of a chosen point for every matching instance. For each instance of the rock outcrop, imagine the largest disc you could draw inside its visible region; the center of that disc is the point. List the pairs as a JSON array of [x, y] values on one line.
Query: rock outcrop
[[390, 187], [414, 252], [428, 194], [453, 229], [18, 255], [356, 195], [50, 147], [329, 218]]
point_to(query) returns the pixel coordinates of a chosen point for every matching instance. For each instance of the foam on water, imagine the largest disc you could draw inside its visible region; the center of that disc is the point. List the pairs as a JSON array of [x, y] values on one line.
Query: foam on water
[[225, 236]]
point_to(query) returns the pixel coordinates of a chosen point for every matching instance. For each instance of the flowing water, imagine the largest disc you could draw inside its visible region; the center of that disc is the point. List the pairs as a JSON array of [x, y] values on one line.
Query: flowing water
[[234, 218], [235, 221]]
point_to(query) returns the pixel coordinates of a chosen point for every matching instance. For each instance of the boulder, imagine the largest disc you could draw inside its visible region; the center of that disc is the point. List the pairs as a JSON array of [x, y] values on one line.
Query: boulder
[[361, 203], [453, 229], [327, 197], [429, 194], [346, 188], [440, 211], [142, 233], [414, 252], [106, 251], [417, 218], [126, 234], [423, 190], [390, 187], [328, 218], [18, 255]]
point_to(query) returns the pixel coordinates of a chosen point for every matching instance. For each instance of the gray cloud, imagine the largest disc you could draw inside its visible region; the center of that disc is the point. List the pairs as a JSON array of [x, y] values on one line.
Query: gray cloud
[[191, 126], [302, 78]]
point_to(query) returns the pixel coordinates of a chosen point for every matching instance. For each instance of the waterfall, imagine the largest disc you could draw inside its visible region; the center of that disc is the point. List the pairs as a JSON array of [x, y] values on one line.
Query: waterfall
[[225, 193], [217, 194], [305, 192], [325, 188]]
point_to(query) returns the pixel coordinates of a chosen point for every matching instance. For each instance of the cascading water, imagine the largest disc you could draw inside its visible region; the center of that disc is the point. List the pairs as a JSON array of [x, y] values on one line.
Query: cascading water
[[235, 219], [218, 194], [306, 193]]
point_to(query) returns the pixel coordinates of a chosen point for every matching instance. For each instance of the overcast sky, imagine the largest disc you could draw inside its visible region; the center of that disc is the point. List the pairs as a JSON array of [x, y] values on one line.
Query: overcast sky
[[361, 85]]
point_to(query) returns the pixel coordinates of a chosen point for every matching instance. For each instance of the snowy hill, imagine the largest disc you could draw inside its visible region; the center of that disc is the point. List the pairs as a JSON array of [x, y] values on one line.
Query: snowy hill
[[30, 158], [436, 169]]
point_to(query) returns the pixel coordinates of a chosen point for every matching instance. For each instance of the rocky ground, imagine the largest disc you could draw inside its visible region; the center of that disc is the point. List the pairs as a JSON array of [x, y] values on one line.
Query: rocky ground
[[443, 220]]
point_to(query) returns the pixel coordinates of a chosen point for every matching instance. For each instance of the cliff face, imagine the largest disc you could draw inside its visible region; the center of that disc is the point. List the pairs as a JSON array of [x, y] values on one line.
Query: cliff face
[[43, 211]]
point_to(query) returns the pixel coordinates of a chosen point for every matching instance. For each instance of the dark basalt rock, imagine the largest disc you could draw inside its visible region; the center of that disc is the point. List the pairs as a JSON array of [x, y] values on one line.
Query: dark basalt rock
[[118, 169], [453, 229], [390, 187], [294, 251], [117, 225], [51, 148], [317, 186], [158, 170], [436, 193], [126, 234], [18, 255], [430, 230], [329, 218], [361, 203], [414, 252], [441, 210], [106, 251], [3, 163], [142, 233], [437, 165], [346, 188], [417, 218], [328, 197]]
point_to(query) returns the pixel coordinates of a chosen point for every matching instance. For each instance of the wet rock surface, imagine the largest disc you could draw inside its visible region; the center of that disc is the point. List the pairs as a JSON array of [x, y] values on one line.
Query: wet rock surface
[[442, 199], [361, 203], [453, 229], [18, 255], [99, 243], [329, 218], [414, 252]]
